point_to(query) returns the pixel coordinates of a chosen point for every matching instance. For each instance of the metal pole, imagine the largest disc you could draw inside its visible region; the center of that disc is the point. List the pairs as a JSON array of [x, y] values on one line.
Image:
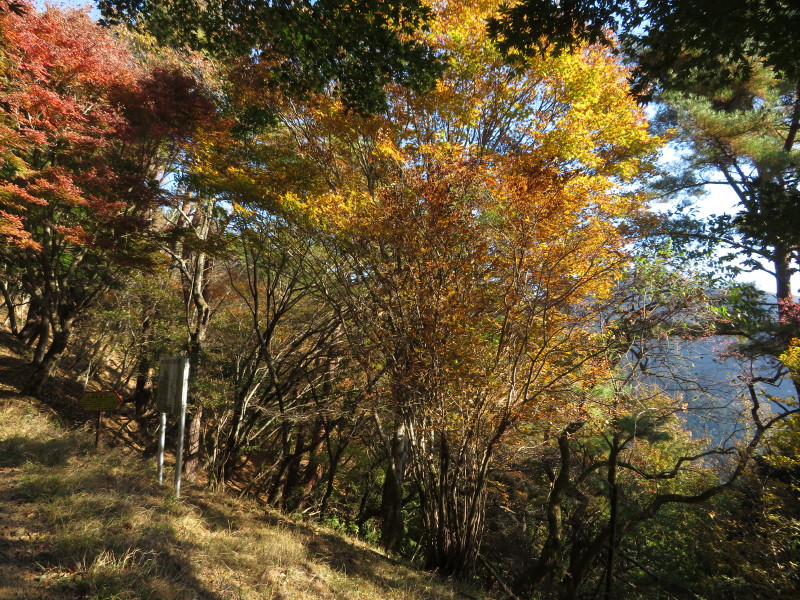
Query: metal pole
[[179, 451], [181, 427], [162, 434], [99, 428]]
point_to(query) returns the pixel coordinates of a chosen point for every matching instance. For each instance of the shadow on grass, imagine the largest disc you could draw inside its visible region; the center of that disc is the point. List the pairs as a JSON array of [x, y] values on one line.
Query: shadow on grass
[[17, 450], [215, 518], [364, 564], [105, 526]]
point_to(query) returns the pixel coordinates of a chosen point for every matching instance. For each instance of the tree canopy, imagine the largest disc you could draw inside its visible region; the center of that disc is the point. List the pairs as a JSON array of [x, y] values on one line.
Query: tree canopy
[[354, 47], [671, 41]]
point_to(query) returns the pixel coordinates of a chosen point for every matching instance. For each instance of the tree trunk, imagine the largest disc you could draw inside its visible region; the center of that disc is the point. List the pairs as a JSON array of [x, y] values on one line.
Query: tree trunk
[[44, 336], [783, 274], [47, 368], [551, 549], [581, 560], [275, 484], [11, 308], [143, 393], [453, 506], [311, 472], [392, 525], [289, 499], [30, 331], [613, 502], [334, 456], [783, 280], [227, 457], [191, 465]]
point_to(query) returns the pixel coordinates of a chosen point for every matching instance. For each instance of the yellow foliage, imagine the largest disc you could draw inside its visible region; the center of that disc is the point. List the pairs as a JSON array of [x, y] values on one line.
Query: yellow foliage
[[791, 358], [486, 213]]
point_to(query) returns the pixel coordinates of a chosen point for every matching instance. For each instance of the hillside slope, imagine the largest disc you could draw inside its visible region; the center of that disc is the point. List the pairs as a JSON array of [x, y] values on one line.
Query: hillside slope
[[79, 522]]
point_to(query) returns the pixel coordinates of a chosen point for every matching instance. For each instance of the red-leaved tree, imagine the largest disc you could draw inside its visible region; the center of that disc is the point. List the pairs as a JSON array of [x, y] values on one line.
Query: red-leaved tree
[[85, 134]]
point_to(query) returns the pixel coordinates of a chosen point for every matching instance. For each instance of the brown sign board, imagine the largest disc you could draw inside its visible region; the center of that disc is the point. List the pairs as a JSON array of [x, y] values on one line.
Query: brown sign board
[[100, 401]]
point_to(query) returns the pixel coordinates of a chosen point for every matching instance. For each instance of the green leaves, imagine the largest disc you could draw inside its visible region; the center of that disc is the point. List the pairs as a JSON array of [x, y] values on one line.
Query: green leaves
[[710, 42], [352, 48]]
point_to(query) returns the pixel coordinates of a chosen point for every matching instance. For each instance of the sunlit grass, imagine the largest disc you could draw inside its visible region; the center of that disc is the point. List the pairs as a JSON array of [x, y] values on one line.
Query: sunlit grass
[[101, 528]]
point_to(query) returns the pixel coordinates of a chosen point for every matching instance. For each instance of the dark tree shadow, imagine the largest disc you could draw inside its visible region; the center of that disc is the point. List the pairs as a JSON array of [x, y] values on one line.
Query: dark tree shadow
[[138, 555]]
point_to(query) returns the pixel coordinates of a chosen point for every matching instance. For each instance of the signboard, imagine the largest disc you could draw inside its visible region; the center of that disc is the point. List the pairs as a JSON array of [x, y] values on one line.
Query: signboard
[[100, 401], [173, 387], [173, 380]]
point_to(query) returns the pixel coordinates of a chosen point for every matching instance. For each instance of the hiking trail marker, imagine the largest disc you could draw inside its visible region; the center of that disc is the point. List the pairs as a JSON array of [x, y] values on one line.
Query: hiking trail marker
[[173, 389], [100, 402]]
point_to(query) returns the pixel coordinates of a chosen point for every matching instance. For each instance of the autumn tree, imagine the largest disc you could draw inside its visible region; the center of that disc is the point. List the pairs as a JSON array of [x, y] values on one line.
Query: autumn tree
[[350, 50], [627, 452], [282, 397], [729, 76], [482, 227], [81, 140], [596, 501]]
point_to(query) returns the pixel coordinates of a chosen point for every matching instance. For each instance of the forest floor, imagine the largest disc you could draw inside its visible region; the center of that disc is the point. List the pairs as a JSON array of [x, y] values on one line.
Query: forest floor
[[79, 522]]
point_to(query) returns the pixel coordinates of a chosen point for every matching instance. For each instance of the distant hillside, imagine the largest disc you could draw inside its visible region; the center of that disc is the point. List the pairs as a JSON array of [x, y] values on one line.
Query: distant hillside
[[712, 380]]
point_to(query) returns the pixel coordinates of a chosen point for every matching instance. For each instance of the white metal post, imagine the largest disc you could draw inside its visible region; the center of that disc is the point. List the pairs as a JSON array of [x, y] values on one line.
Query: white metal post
[[162, 435], [181, 427]]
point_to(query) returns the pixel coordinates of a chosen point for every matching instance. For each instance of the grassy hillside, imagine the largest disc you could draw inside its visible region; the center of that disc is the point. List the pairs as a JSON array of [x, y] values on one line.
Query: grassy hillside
[[79, 522]]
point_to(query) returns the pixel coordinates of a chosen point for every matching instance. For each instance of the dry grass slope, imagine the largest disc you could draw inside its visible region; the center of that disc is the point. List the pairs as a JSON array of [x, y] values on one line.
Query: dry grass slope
[[76, 522]]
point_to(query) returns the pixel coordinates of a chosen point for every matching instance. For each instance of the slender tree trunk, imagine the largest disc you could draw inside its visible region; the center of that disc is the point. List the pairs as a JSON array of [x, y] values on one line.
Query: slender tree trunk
[[276, 482], [228, 456], [289, 498], [11, 308], [44, 336], [783, 274], [453, 507], [196, 268], [275, 485], [191, 464], [143, 392], [30, 331], [613, 502], [551, 549], [581, 560], [783, 281], [334, 456], [311, 473], [193, 447]]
